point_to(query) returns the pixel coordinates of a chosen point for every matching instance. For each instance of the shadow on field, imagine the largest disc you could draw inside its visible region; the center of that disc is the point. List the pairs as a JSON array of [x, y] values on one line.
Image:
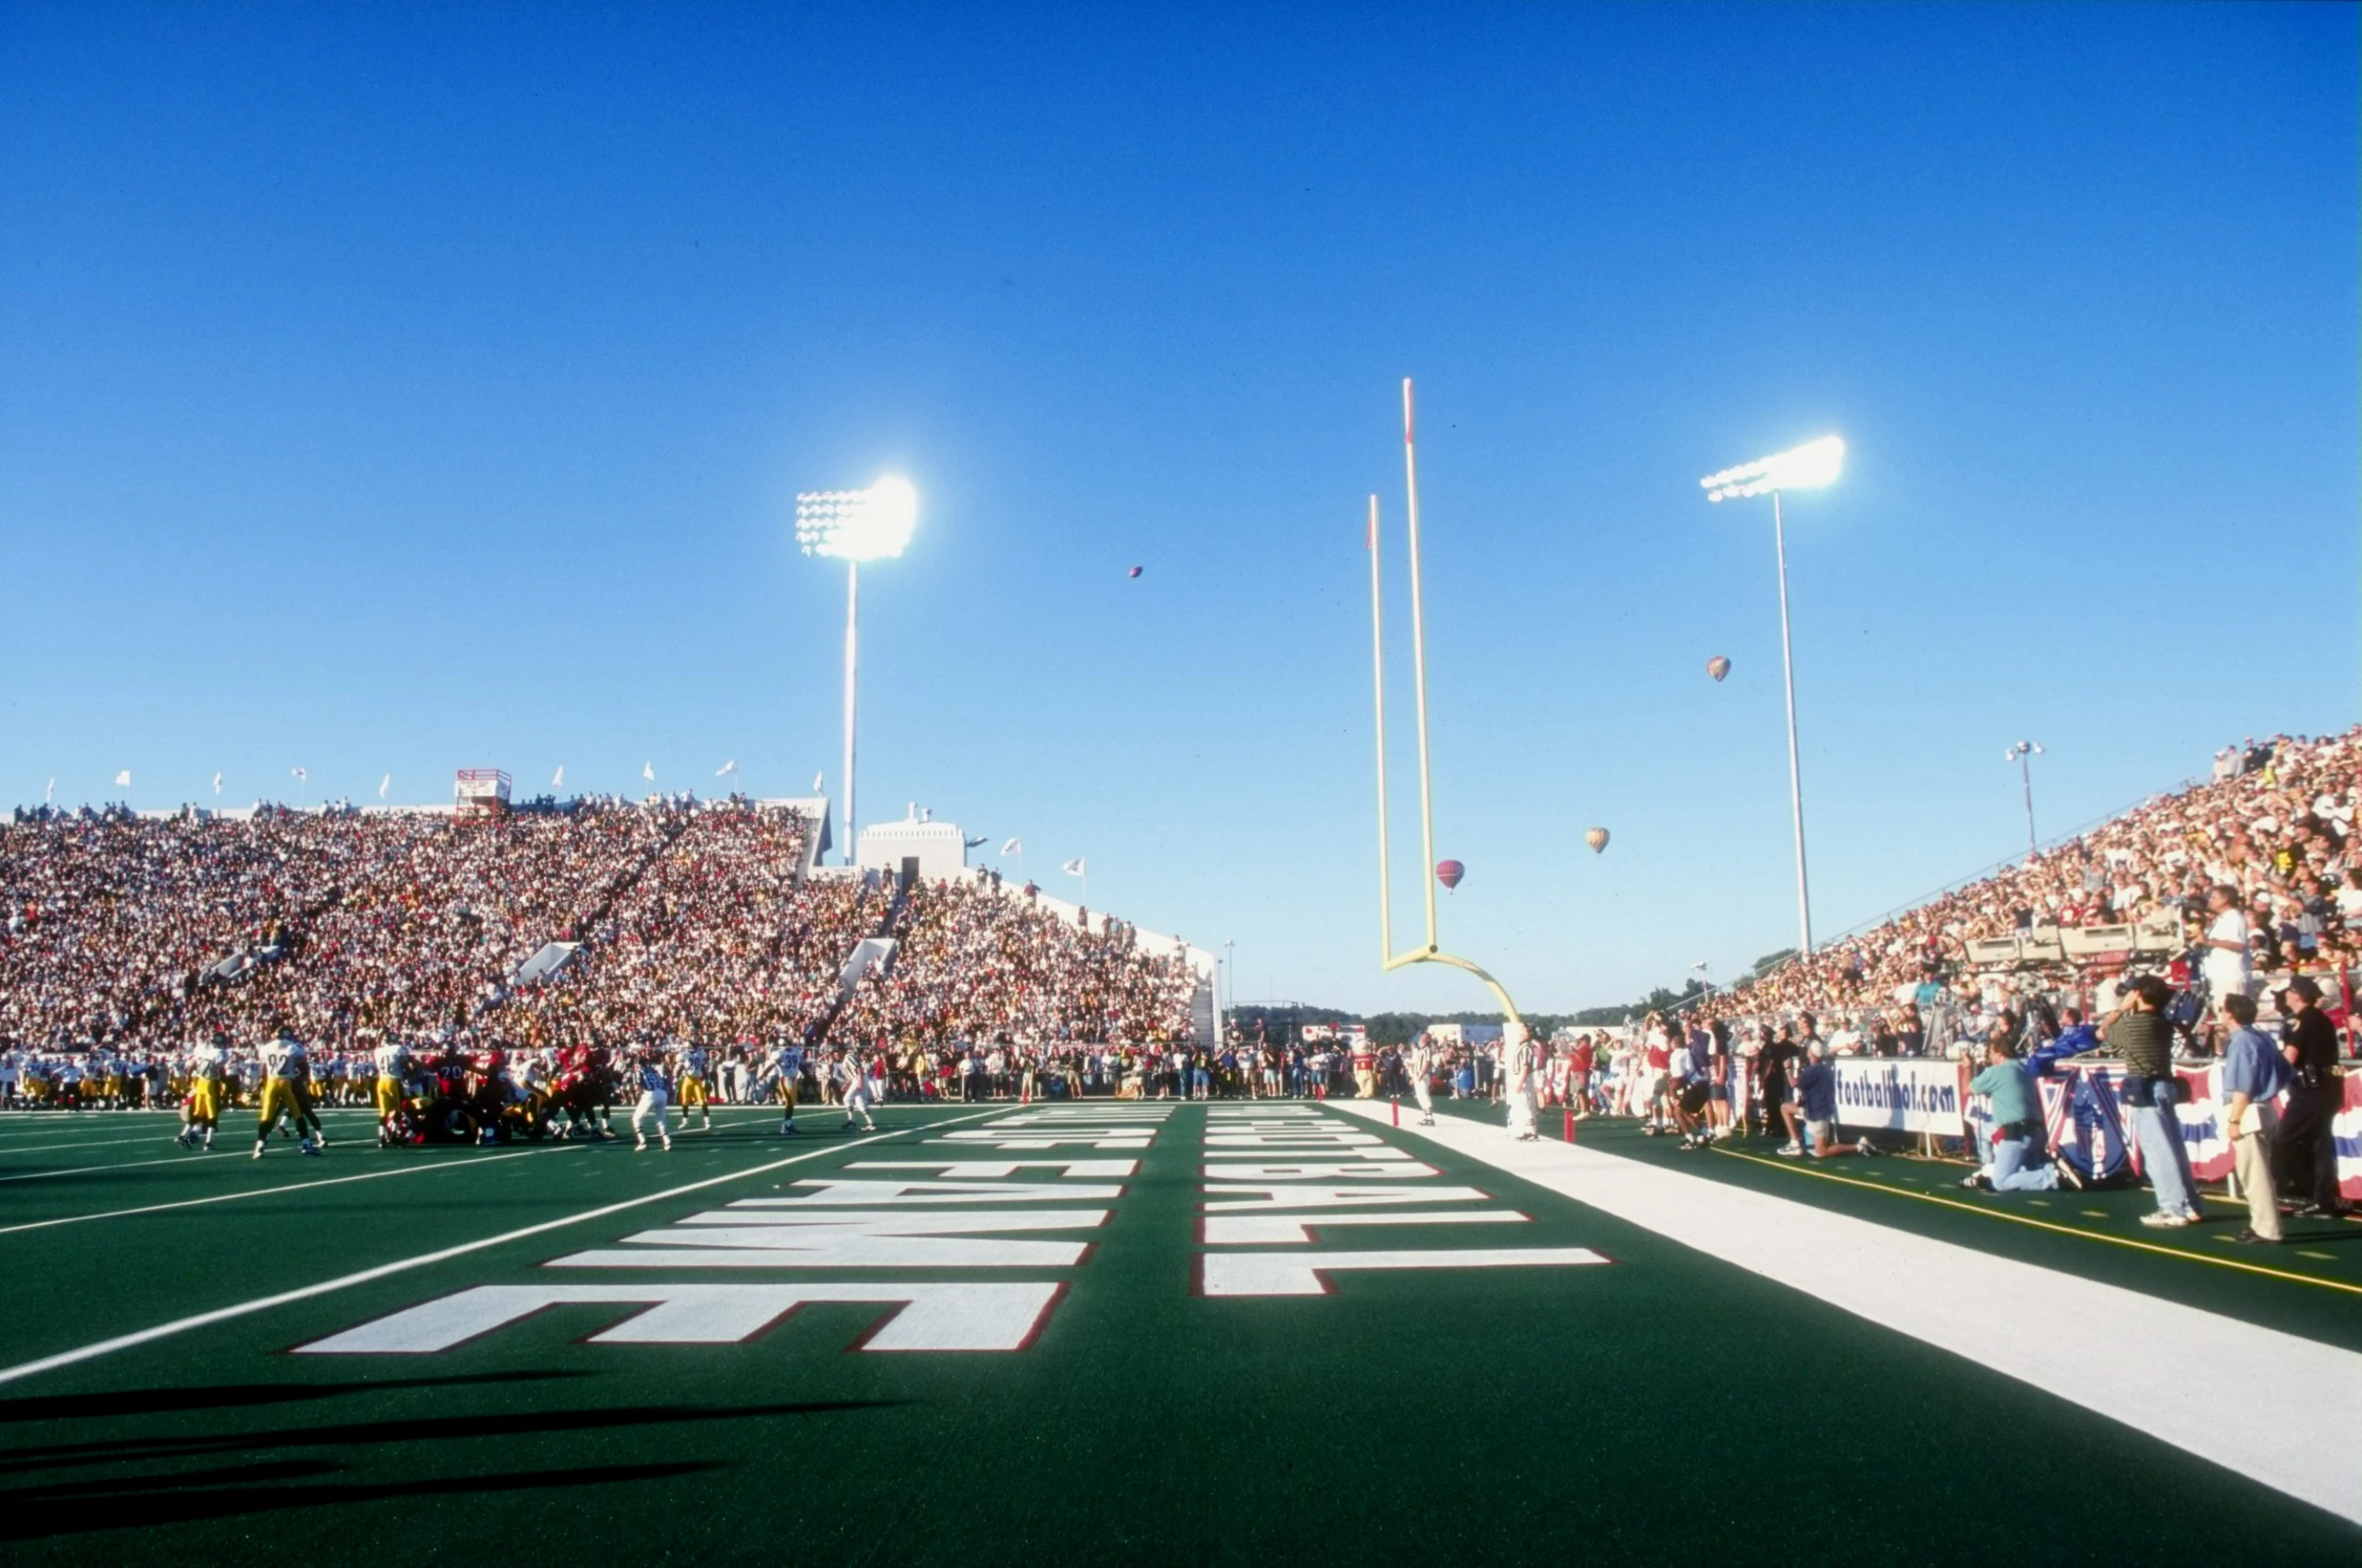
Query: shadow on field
[[148, 1402], [181, 1499], [456, 1427]]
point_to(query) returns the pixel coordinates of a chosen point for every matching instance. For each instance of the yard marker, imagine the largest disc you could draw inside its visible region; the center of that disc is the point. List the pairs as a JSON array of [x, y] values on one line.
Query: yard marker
[[1396, 1104], [400, 1265]]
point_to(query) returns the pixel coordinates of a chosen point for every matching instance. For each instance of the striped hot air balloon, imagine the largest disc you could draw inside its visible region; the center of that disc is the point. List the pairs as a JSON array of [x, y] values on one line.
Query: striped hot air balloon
[[1717, 666], [1449, 873], [1597, 838]]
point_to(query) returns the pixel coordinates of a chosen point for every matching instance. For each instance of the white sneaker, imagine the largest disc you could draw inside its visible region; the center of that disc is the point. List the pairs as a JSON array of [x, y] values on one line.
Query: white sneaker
[[639, 1146], [668, 1146]]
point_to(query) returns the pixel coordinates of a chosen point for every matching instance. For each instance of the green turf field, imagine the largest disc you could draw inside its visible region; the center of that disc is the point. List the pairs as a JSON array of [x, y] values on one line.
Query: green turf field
[[1660, 1403]]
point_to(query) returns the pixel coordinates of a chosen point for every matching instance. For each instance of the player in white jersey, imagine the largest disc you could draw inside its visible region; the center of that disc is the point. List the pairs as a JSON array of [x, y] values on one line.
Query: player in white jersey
[[284, 1067], [787, 1071], [200, 1112], [392, 1061], [857, 1091], [656, 1095], [1420, 1062], [696, 1062]]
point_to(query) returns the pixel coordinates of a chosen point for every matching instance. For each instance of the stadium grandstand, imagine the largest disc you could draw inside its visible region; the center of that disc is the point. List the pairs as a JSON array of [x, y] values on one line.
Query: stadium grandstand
[[2275, 825], [595, 921]]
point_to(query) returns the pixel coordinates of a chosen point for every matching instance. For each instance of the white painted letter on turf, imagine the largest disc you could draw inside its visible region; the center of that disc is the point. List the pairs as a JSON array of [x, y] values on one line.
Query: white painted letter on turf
[[955, 1316]]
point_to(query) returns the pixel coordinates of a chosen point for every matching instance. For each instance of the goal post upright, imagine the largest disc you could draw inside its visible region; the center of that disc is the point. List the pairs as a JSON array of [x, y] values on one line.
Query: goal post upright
[[1433, 952]]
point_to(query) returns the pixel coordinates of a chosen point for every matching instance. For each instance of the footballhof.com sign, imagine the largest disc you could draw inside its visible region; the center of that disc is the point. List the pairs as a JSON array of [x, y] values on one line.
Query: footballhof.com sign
[[1902, 1097]]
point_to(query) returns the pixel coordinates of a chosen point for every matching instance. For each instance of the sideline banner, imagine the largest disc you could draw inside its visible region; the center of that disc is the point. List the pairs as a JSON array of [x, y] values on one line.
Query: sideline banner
[[2091, 1127], [1902, 1095], [2348, 1128]]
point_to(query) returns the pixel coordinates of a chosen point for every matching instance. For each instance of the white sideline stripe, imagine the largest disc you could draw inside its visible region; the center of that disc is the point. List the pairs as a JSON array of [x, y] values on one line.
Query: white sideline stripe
[[277, 1191], [1952, 1297], [264, 1304]]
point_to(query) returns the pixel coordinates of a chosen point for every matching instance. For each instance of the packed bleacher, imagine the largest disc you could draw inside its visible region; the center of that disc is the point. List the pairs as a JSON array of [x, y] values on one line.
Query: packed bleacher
[[129, 938], [976, 964], [2275, 825]]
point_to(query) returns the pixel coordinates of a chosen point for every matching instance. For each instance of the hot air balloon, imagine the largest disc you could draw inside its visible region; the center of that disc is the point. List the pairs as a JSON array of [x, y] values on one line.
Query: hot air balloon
[[1717, 667], [1449, 873], [1134, 572], [1597, 838]]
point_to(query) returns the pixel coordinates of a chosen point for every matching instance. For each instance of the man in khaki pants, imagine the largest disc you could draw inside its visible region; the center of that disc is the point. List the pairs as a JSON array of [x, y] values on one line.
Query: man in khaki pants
[[2254, 1073]]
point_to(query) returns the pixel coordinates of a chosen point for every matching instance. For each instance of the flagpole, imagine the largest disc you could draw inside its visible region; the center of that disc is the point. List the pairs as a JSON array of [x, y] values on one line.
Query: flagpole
[[852, 645]]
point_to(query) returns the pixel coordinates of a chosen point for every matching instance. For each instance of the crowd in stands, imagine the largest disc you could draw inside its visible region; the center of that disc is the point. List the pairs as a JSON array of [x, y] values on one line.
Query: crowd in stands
[[125, 939], [977, 964], [2274, 827]]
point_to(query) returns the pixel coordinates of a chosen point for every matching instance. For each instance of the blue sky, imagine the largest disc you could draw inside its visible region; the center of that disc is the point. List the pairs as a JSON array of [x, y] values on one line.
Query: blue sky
[[400, 391]]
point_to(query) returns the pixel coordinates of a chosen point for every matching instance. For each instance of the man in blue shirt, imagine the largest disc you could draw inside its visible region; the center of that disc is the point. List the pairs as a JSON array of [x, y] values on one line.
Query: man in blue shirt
[[2018, 1142], [1816, 1095], [2254, 1074]]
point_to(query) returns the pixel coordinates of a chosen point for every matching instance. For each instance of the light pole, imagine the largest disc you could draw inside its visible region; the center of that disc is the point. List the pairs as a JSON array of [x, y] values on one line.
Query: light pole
[[1805, 467], [2019, 754], [854, 526]]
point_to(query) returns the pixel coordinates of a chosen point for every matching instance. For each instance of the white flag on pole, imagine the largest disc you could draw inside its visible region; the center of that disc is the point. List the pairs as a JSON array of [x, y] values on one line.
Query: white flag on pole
[[1076, 867], [384, 784], [216, 782], [815, 782], [648, 770], [1014, 846], [727, 769], [123, 778], [49, 795], [301, 773], [558, 782]]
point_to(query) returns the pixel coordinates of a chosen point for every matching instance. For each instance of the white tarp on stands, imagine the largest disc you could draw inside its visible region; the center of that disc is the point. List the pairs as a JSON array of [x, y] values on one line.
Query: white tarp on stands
[[548, 960], [871, 953], [1902, 1096]]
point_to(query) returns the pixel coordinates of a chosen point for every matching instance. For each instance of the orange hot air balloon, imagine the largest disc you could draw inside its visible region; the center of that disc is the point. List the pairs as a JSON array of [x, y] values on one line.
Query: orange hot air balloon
[[1597, 838], [1449, 873], [1717, 667]]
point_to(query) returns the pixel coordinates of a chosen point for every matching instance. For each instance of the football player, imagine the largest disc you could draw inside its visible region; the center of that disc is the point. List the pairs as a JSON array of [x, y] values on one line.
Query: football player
[[283, 1070], [200, 1112], [392, 1059], [857, 1094], [694, 1061], [787, 1070], [656, 1093]]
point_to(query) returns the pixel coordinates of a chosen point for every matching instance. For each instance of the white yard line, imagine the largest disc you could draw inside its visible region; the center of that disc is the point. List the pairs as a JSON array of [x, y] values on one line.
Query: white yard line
[[152, 1138], [287, 1187], [1962, 1301], [264, 1304]]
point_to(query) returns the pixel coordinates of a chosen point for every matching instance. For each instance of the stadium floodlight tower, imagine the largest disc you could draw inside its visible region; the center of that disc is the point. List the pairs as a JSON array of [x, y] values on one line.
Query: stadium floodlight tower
[[1433, 952], [1806, 467], [2018, 753], [854, 526]]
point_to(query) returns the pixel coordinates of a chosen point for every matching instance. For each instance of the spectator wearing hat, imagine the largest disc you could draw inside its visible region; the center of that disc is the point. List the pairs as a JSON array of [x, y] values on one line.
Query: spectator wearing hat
[[2254, 1074], [2308, 1150], [2139, 1035]]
